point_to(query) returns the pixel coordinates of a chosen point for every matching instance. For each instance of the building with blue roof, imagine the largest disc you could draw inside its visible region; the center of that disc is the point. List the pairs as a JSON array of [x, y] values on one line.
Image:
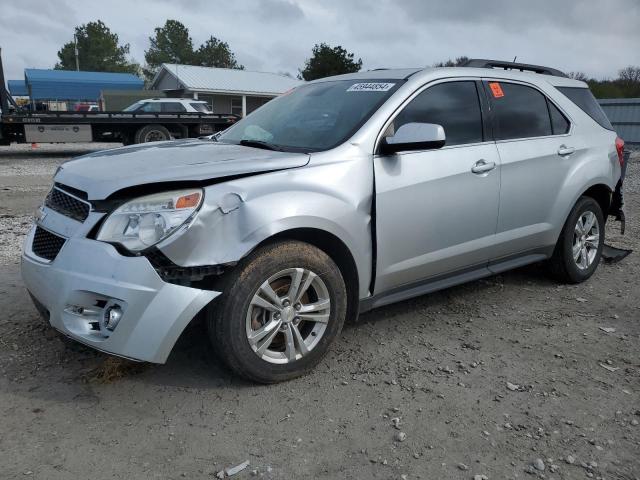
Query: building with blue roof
[[17, 88], [69, 85]]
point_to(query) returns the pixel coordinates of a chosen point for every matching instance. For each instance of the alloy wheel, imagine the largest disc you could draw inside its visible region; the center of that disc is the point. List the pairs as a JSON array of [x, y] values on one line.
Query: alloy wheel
[[586, 240], [288, 315]]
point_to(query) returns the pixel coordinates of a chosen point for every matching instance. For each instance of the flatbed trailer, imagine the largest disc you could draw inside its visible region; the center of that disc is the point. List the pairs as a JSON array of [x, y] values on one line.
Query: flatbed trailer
[[127, 128], [18, 126]]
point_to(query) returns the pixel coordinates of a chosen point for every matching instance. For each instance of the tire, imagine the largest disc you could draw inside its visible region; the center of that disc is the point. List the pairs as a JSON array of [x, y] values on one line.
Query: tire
[[237, 314], [564, 265], [152, 133]]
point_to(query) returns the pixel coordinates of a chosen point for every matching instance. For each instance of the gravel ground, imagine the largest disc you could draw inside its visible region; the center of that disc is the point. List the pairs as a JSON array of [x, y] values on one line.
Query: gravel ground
[[508, 377]]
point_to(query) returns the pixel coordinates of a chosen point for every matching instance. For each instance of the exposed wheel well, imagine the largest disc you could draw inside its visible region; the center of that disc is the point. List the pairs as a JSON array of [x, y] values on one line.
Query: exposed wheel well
[[339, 253], [601, 194]]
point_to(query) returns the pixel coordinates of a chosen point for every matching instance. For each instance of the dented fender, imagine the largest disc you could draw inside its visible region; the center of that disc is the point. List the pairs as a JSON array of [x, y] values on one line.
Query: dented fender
[[238, 215]]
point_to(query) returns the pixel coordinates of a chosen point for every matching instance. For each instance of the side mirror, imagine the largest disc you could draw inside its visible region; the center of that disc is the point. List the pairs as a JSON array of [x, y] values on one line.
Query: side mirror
[[414, 136]]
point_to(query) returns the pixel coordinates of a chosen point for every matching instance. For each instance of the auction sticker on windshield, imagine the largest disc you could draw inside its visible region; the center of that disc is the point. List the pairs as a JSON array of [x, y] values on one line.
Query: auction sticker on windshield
[[370, 87]]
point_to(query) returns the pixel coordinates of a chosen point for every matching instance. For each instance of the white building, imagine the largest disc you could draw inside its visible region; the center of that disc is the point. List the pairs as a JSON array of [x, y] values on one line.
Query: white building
[[226, 90]]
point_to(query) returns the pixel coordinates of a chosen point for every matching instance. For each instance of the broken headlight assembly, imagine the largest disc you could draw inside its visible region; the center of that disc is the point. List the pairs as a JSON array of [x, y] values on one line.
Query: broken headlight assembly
[[146, 221]]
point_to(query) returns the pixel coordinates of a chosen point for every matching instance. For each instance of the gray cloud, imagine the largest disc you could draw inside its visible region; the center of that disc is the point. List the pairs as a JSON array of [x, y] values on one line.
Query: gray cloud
[[277, 35]]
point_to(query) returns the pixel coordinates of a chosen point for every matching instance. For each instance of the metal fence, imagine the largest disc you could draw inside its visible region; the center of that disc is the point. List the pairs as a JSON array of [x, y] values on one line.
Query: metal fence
[[624, 114]]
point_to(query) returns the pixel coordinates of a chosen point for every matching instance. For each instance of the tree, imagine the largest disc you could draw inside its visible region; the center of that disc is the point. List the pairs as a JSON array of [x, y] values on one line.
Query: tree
[[326, 61], [216, 53], [629, 76], [170, 44], [459, 61], [98, 51], [578, 76]]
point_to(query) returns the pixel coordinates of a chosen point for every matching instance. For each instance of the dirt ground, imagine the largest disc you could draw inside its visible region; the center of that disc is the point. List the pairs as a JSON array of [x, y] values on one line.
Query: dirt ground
[[488, 380]]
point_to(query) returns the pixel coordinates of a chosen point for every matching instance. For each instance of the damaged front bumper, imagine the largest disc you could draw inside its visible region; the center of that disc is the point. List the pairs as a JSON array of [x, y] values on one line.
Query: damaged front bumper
[[89, 280]]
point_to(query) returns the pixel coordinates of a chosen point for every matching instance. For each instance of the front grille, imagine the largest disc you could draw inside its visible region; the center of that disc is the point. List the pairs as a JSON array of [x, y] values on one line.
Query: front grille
[[46, 245], [67, 205]]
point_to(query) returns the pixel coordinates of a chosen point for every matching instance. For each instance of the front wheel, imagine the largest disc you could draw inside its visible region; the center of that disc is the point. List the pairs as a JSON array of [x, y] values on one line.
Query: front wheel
[[577, 253], [280, 310]]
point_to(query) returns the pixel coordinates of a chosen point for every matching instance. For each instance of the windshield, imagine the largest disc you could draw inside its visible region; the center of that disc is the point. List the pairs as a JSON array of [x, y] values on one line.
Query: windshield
[[312, 117], [133, 107]]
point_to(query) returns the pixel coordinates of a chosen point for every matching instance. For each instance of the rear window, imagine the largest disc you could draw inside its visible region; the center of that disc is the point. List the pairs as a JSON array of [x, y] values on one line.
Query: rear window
[[583, 98]]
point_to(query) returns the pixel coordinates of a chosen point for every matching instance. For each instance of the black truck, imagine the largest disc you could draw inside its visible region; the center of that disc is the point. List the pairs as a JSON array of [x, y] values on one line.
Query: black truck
[[21, 126]]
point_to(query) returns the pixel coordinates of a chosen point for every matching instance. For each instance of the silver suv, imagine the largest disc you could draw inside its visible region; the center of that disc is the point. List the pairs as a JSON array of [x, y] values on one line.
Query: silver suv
[[340, 196]]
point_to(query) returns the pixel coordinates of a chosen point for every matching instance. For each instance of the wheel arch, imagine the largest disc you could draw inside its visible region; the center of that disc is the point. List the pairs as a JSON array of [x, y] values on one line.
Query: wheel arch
[[601, 193], [336, 249]]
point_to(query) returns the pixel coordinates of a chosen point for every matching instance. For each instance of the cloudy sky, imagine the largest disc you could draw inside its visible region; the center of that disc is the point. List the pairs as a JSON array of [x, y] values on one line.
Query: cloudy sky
[[593, 36]]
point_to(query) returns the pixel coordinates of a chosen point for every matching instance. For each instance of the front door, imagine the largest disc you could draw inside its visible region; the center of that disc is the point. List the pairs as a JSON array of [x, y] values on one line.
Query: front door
[[436, 210]]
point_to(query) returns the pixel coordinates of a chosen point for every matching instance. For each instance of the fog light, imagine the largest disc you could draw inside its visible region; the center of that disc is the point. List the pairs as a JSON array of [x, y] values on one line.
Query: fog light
[[112, 317]]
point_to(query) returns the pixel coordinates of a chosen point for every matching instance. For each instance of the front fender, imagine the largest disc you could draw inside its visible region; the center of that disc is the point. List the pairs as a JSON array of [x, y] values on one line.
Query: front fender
[[238, 216]]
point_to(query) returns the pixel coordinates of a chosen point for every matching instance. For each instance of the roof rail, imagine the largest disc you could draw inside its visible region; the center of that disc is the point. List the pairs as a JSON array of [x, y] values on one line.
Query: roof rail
[[523, 67]]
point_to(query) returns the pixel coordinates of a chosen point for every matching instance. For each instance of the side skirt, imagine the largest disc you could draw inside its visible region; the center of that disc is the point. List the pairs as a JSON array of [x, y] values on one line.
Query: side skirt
[[458, 277]]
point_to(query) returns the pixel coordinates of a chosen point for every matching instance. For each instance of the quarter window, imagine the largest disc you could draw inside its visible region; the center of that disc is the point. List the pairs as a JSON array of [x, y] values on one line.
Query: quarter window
[[518, 111], [454, 105], [559, 123]]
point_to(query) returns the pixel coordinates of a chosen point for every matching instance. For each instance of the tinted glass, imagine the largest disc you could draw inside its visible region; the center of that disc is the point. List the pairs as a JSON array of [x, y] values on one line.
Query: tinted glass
[[518, 111], [583, 98], [173, 107], [133, 107], [201, 107], [149, 107], [454, 105], [313, 117], [559, 123]]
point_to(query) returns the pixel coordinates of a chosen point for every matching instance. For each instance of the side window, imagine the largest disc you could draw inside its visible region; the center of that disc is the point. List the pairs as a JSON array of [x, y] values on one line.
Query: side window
[[518, 111], [150, 107], [173, 107], [559, 123], [454, 105], [236, 106]]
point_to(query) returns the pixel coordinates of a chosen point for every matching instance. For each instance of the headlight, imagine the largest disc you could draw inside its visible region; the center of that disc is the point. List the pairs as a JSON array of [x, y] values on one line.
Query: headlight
[[145, 221]]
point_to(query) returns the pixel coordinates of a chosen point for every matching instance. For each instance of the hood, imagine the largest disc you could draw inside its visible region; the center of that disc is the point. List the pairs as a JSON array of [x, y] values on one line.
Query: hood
[[102, 173]]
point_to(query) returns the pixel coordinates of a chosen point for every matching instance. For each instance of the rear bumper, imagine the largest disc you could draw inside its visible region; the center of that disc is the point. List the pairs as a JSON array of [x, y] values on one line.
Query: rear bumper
[[87, 277]]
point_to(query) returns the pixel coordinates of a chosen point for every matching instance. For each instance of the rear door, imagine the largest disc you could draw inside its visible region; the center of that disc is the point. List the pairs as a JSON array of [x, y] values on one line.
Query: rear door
[[434, 215], [535, 148]]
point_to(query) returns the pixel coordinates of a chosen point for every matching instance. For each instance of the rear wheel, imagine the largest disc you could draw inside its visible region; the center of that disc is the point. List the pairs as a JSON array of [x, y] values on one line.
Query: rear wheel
[[280, 310], [152, 133], [577, 253]]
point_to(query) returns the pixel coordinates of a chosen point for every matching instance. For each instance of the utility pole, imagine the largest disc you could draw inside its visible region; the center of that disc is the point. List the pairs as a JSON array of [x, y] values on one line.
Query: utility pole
[[75, 48]]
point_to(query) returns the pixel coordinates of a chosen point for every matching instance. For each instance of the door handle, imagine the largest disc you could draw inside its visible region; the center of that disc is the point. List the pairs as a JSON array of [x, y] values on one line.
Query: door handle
[[482, 166], [563, 151]]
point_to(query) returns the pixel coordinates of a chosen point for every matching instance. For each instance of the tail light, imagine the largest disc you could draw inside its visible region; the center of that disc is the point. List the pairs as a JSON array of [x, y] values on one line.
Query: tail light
[[620, 150]]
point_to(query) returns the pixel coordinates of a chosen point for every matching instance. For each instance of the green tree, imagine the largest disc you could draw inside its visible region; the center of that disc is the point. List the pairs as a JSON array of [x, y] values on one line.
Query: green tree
[[216, 53], [98, 51], [170, 44], [459, 61], [326, 61]]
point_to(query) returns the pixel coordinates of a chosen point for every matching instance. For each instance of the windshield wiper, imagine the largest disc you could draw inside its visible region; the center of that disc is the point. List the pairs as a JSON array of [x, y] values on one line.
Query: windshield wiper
[[261, 144]]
